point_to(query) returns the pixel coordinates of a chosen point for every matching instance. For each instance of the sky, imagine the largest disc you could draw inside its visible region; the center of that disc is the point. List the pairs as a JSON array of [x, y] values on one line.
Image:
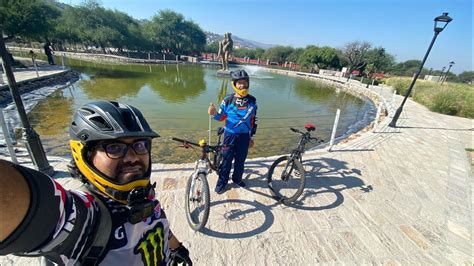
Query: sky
[[403, 27]]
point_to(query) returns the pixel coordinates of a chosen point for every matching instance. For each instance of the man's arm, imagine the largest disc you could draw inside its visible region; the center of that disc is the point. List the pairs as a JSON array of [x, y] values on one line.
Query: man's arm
[[14, 199], [174, 242], [37, 215]]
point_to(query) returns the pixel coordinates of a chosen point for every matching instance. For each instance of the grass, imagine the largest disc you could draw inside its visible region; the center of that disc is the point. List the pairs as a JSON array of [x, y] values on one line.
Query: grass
[[450, 98]]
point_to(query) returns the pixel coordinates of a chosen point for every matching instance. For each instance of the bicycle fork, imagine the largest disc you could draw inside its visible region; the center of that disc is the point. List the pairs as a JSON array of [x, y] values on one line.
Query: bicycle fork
[[285, 176], [196, 196]]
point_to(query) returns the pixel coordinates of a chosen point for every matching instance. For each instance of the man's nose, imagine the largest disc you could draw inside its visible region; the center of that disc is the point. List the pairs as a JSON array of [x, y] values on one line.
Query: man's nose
[[130, 156]]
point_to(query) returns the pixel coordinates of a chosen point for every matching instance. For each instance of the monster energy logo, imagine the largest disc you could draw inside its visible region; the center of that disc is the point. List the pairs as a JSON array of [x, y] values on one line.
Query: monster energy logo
[[151, 246]]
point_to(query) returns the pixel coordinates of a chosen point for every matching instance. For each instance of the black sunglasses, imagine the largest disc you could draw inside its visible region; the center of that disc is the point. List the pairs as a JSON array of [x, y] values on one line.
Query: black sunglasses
[[117, 150]]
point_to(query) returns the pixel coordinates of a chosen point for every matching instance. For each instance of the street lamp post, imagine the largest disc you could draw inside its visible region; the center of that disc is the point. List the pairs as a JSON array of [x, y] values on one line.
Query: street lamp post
[[443, 21], [441, 75], [35, 148], [446, 75]]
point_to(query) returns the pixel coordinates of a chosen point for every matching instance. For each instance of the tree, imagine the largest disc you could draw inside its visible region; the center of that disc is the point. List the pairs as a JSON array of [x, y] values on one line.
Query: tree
[[295, 55], [278, 54], [31, 19], [466, 77], [248, 52], [173, 33], [355, 53], [377, 59], [212, 47], [322, 57], [407, 68]]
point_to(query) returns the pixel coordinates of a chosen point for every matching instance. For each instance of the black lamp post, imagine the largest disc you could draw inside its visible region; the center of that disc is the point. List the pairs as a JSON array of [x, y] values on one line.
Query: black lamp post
[[35, 148], [441, 75], [446, 75], [443, 21]]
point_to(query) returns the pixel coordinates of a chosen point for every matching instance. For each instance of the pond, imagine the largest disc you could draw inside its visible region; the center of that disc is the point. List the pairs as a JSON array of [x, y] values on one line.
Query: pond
[[174, 100]]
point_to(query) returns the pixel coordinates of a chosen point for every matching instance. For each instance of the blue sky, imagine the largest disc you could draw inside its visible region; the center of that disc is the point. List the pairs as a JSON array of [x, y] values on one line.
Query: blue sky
[[403, 27]]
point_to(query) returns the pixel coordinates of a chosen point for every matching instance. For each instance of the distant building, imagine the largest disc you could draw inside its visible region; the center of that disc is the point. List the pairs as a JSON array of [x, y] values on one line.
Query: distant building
[[432, 78]]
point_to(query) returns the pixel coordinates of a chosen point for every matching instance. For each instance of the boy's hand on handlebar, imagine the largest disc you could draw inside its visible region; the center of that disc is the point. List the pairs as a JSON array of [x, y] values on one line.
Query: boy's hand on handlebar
[[212, 109]]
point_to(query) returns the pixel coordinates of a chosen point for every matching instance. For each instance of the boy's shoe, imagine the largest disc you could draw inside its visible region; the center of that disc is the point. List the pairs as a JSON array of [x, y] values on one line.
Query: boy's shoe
[[241, 184], [219, 189]]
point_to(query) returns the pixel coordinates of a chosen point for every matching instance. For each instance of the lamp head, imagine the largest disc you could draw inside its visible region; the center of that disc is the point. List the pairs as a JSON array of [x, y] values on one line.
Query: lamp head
[[440, 22]]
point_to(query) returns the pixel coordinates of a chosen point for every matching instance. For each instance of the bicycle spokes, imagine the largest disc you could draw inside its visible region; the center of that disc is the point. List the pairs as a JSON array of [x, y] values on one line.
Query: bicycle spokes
[[286, 179], [197, 201]]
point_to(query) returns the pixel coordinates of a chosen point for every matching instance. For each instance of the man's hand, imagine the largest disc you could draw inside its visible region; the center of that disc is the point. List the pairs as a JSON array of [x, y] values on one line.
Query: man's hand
[[14, 199], [180, 255], [251, 143], [212, 109]]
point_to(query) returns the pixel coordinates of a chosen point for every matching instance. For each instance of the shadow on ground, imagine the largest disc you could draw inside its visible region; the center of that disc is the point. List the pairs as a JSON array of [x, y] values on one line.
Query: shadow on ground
[[326, 179]]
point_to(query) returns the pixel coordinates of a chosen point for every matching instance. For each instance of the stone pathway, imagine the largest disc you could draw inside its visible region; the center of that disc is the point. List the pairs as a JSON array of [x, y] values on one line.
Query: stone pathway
[[395, 196], [29, 74]]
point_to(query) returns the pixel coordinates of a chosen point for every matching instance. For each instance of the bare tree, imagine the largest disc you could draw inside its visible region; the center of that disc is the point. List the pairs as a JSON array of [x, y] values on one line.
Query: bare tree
[[354, 53]]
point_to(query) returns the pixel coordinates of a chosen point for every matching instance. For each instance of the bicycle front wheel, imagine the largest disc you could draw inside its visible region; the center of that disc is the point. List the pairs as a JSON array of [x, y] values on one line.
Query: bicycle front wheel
[[197, 203], [286, 179]]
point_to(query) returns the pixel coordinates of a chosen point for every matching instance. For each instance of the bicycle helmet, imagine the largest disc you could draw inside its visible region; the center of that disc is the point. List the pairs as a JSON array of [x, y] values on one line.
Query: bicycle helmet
[[106, 120], [240, 75]]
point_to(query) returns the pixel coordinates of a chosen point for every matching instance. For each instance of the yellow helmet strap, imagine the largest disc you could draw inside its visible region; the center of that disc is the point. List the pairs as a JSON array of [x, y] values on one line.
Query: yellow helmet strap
[[99, 181], [241, 92]]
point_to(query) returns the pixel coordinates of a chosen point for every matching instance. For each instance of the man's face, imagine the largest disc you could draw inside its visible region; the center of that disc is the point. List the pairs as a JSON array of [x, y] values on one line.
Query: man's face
[[122, 159]]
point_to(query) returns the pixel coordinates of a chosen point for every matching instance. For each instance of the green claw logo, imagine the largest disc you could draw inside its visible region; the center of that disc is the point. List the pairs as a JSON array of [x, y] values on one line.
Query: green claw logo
[[151, 246]]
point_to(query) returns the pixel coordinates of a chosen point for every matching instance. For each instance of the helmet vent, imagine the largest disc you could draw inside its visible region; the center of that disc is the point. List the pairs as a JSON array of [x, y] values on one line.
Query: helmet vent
[[101, 123], [86, 111], [130, 121]]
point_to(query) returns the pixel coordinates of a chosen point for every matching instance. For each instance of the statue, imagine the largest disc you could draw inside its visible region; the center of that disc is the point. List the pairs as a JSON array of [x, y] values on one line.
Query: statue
[[225, 48]]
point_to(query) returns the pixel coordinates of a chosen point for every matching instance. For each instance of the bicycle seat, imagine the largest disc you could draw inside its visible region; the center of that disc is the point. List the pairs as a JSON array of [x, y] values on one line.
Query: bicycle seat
[[310, 127]]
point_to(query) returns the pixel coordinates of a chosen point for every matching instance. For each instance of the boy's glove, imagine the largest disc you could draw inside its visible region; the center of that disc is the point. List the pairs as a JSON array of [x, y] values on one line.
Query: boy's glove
[[180, 255]]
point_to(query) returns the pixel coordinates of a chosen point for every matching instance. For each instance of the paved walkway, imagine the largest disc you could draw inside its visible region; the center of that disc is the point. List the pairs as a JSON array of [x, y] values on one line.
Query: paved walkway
[[395, 196], [29, 74]]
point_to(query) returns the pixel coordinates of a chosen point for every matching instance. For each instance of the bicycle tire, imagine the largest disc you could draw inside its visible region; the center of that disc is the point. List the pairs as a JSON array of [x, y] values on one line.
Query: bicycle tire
[[200, 194], [294, 184]]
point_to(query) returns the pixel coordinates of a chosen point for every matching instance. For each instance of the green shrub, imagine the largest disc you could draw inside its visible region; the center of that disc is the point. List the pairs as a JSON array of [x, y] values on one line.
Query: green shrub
[[449, 98], [446, 102]]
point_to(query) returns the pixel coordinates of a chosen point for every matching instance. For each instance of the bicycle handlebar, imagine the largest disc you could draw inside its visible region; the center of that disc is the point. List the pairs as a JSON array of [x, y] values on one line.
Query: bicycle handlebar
[[185, 141], [296, 130], [311, 138], [207, 148]]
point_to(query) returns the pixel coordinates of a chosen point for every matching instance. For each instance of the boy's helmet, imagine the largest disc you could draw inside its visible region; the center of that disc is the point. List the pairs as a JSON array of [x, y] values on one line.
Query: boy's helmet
[[107, 120], [240, 75]]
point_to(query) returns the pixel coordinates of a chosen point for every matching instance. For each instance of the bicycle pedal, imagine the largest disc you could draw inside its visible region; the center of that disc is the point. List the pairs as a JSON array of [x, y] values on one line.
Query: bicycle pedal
[[297, 173]]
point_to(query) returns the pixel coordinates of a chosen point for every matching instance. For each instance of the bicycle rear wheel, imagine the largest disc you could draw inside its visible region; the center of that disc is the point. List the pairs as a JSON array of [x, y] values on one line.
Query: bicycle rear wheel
[[286, 179], [197, 203]]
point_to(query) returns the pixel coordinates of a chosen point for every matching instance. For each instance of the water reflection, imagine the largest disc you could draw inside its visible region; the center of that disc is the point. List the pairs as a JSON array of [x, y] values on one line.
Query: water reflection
[[107, 88], [174, 99], [178, 85], [222, 90]]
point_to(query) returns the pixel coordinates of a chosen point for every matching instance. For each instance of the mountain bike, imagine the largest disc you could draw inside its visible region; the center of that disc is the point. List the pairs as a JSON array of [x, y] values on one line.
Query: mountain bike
[[286, 177], [197, 195]]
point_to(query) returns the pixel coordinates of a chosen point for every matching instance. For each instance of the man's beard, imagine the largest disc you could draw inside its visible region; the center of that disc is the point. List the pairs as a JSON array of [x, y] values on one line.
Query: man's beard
[[123, 167]]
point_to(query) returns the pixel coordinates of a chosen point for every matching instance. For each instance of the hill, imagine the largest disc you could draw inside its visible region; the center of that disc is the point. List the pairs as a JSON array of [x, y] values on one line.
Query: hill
[[238, 42]]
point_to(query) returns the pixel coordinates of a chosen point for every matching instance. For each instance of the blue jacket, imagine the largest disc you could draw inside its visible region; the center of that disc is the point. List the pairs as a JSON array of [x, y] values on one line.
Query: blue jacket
[[240, 114]]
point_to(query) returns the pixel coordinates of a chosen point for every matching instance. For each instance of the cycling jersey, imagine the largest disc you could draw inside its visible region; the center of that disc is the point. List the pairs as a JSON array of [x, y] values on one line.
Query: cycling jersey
[[240, 114], [65, 229]]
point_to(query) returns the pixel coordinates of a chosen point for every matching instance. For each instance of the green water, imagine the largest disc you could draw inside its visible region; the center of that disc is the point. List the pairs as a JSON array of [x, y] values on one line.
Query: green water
[[174, 99]]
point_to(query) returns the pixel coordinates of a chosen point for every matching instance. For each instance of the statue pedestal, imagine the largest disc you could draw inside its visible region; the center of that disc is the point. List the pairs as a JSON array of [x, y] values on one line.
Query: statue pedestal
[[223, 73]]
